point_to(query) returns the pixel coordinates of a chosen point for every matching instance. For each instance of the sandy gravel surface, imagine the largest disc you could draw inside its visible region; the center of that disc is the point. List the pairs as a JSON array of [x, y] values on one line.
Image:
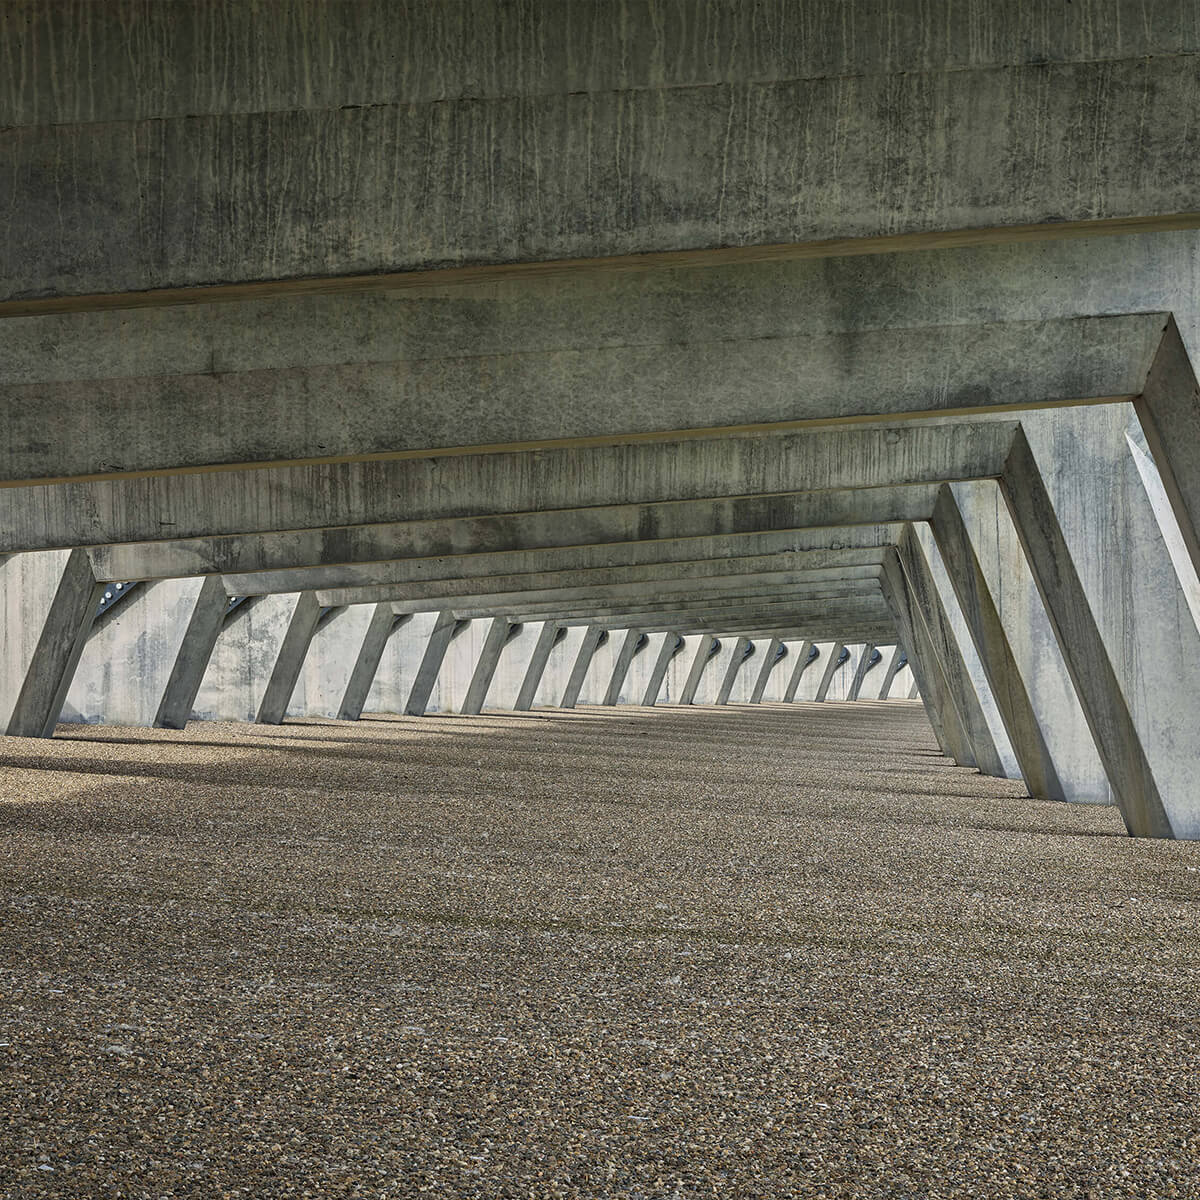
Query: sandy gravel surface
[[754, 952]]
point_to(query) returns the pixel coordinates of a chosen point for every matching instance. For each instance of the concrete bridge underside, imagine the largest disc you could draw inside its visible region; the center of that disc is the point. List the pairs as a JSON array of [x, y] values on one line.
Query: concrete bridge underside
[[481, 356]]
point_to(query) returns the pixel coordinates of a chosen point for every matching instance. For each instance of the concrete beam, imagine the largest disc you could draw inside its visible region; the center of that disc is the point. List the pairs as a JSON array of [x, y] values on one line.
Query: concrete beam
[[174, 420], [215, 504]]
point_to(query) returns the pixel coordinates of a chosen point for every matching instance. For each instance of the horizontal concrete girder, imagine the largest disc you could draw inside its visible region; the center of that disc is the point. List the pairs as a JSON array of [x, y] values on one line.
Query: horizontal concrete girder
[[695, 601], [145, 204], [167, 421], [96, 512], [614, 585], [566, 529]]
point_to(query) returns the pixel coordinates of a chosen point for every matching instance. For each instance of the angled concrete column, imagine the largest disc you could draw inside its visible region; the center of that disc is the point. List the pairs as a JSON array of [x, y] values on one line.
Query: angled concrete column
[[551, 633], [774, 653], [743, 648], [925, 665], [195, 650], [444, 629], [707, 647], [1169, 411], [243, 658], [1016, 644], [805, 658], [1116, 605], [50, 600], [868, 660], [847, 669], [147, 653], [633, 641], [962, 644], [290, 660], [499, 631], [399, 664], [671, 646], [837, 656], [344, 653], [914, 691], [878, 687], [592, 640], [937, 606], [366, 663]]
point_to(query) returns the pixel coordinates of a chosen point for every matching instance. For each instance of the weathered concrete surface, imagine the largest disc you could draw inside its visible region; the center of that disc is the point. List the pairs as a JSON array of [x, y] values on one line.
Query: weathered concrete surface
[[173, 420], [1127, 635], [49, 602], [317, 496], [1024, 664], [144, 661]]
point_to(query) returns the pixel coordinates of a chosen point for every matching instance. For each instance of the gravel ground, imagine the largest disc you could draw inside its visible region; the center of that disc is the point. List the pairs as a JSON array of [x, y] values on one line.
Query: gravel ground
[[751, 952]]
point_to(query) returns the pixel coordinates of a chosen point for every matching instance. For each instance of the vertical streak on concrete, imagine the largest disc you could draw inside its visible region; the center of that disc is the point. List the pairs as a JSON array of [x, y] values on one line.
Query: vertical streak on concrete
[[914, 690], [290, 660], [370, 653], [835, 653], [931, 606], [440, 637], [671, 646], [633, 641], [704, 651], [485, 667], [860, 673], [771, 657], [591, 640], [802, 664], [926, 667], [731, 671], [1031, 486], [1004, 674], [550, 634], [187, 671], [50, 600]]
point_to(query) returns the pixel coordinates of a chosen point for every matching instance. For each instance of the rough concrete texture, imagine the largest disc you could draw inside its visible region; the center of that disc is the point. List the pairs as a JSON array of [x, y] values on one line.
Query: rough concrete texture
[[513, 956]]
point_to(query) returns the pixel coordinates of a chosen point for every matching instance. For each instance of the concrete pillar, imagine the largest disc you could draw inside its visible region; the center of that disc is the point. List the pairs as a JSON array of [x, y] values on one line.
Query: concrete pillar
[[243, 658], [804, 659], [775, 652], [707, 647], [592, 639], [50, 599], [1112, 595], [963, 678], [499, 631], [402, 655], [837, 656], [963, 655], [1020, 656], [551, 633], [867, 660], [671, 645], [342, 657], [743, 648], [633, 642], [559, 665], [191, 660], [925, 665], [879, 685], [444, 630], [382, 625], [147, 653], [293, 650]]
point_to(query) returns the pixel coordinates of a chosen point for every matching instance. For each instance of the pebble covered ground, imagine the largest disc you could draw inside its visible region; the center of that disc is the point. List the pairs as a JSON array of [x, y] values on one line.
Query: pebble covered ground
[[752, 952]]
